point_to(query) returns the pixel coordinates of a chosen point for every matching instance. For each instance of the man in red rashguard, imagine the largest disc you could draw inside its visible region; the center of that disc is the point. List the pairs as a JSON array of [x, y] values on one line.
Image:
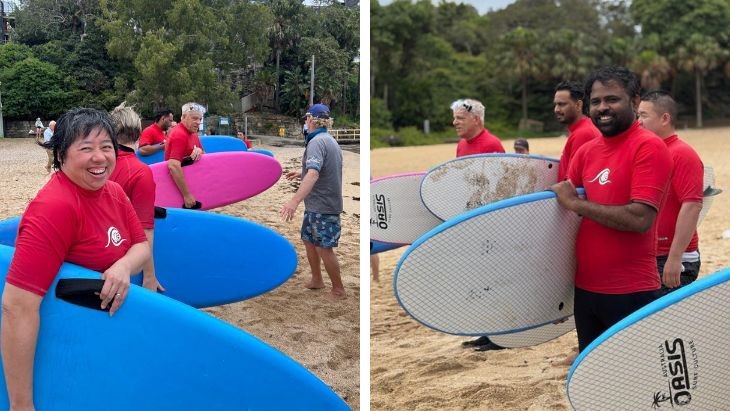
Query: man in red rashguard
[[183, 145], [469, 125], [625, 174], [678, 255], [568, 109], [152, 139]]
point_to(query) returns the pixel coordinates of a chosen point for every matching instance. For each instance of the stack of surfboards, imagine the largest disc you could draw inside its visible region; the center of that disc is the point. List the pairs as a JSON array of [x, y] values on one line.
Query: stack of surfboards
[[491, 252]]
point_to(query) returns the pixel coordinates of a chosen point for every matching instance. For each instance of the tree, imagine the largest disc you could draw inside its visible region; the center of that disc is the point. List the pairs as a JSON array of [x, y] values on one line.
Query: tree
[[519, 57], [32, 88], [698, 55]]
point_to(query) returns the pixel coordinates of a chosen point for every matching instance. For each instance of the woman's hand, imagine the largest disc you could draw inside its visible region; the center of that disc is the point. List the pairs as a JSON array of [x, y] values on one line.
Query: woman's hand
[[116, 286]]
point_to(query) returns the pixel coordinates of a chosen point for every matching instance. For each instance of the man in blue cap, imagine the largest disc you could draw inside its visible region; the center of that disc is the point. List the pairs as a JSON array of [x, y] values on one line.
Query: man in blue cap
[[321, 191]]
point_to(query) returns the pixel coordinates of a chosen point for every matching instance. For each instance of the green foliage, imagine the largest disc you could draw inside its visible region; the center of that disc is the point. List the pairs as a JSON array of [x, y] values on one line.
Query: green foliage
[[380, 117], [425, 56], [32, 88]]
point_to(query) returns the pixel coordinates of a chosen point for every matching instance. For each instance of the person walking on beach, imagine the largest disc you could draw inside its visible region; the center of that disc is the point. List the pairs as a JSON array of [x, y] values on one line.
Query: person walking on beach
[[47, 134], [474, 138], [625, 174], [183, 145], [321, 191], [568, 108], [153, 137], [678, 254]]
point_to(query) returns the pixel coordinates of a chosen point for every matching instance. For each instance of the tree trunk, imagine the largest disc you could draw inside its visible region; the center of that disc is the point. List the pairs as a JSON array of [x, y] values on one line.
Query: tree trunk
[[524, 98], [277, 85], [698, 96]]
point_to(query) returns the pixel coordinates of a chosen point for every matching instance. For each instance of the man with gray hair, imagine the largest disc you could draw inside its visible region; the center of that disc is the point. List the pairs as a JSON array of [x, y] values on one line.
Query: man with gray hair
[[469, 125], [321, 191], [183, 145]]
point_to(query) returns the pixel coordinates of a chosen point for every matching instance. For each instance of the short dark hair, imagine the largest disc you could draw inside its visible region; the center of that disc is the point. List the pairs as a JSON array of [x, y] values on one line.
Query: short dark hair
[[162, 113], [663, 101], [576, 90], [74, 124], [628, 80]]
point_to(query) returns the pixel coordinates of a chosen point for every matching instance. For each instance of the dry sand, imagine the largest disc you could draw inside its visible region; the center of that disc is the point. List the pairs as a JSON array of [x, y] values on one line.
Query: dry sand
[[416, 368], [321, 335]]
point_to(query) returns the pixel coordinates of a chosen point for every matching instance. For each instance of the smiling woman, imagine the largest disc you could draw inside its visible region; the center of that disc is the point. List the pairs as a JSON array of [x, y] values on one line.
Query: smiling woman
[[76, 217]]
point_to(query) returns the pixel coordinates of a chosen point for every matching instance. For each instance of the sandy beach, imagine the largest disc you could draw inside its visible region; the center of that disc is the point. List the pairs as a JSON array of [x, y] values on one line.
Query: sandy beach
[[323, 336], [416, 368]]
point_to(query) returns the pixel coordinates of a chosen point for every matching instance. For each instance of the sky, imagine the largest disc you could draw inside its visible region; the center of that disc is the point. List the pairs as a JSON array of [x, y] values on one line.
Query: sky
[[482, 5]]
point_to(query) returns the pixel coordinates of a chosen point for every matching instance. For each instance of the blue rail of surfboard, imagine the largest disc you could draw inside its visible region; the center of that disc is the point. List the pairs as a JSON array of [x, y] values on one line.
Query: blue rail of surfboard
[[650, 309], [497, 205]]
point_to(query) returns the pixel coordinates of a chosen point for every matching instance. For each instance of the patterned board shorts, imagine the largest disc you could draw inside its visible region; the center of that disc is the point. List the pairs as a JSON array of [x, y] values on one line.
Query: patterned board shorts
[[322, 230]]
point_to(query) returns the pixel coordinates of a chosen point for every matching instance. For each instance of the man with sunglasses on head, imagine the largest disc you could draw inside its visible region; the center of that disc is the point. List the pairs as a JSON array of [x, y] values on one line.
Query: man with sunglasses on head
[[469, 125]]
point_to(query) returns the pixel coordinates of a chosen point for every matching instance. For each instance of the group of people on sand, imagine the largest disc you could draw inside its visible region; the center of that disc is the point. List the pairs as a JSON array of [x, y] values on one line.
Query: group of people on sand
[[97, 211], [644, 190]]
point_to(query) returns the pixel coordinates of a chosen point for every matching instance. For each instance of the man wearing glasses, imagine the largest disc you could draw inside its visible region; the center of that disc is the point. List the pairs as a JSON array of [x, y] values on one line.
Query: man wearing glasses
[[469, 125]]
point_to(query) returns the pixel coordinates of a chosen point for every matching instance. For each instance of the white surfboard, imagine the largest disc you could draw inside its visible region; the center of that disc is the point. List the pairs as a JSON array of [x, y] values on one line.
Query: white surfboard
[[397, 214], [502, 268], [670, 354], [534, 336], [465, 183], [710, 191]]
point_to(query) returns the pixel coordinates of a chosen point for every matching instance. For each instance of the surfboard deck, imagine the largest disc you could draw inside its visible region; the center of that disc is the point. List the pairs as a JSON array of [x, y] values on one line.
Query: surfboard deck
[[157, 353], [465, 183], [397, 214], [670, 354], [218, 179], [710, 191], [471, 274], [211, 144], [209, 259]]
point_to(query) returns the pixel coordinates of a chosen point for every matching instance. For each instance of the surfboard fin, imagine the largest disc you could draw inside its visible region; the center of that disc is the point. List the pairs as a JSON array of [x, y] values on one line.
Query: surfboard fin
[[81, 291]]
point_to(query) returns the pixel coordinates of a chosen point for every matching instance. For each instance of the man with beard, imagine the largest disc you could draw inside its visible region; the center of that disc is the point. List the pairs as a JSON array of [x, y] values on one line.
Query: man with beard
[[678, 255], [152, 139], [625, 174], [469, 125], [568, 109]]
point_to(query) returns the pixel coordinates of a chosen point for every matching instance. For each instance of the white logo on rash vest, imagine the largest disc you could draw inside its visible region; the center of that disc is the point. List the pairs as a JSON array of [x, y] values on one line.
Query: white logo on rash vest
[[114, 237], [602, 177]]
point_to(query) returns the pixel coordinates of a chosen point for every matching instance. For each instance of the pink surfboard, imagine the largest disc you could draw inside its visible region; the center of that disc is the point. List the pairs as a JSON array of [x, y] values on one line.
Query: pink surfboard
[[218, 179]]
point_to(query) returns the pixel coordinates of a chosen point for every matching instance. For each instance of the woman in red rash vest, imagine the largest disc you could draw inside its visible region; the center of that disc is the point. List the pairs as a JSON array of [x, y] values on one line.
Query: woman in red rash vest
[[80, 217]]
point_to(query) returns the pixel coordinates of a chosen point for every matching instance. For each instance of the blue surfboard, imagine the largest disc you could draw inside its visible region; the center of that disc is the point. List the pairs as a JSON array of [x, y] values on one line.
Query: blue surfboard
[[377, 247], [211, 144], [208, 259], [670, 354], [157, 354]]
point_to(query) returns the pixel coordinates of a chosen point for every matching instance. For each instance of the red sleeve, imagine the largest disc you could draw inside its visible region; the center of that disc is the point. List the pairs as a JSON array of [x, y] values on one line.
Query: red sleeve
[[46, 232], [248, 144], [652, 168], [177, 147], [687, 176], [146, 138], [575, 168], [143, 198], [135, 227]]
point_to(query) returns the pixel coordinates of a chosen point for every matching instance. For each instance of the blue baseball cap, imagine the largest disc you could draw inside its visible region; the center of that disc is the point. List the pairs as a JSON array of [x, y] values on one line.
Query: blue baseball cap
[[318, 111]]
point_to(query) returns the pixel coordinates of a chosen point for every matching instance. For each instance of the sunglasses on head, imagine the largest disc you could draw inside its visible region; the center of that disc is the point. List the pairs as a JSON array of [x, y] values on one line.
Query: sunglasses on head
[[467, 107]]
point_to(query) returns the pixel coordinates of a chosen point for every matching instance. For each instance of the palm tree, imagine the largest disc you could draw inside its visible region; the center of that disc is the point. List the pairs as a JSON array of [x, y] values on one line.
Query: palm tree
[[652, 67], [699, 54], [519, 57], [282, 33]]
